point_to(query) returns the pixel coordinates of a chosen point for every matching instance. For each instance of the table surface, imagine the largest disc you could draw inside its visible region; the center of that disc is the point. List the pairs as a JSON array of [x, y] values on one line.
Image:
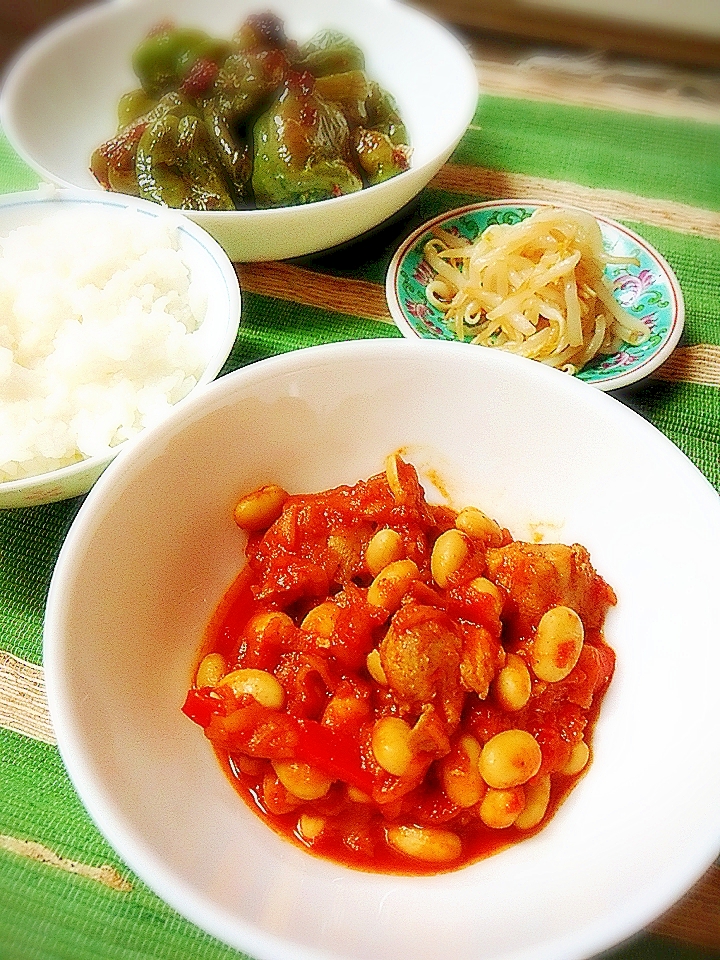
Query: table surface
[[633, 141]]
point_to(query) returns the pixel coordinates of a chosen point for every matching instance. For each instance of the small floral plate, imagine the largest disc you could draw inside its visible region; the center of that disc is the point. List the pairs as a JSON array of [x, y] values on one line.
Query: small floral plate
[[649, 291]]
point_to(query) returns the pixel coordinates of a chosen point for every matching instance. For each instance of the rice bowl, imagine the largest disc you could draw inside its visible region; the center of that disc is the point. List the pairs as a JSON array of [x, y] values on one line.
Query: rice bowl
[[113, 311]]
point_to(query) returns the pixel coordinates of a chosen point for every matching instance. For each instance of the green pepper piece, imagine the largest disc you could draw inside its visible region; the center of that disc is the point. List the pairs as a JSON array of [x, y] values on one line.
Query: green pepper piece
[[245, 82], [261, 31], [176, 165], [383, 115], [164, 58], [330, 52], [302, 152], [379, 158], [113, 162], [349, 91], [233, 151], [133, 105]]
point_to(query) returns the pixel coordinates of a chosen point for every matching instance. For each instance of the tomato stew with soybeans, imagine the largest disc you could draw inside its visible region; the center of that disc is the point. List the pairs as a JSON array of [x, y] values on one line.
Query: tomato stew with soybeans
[[396, 686]]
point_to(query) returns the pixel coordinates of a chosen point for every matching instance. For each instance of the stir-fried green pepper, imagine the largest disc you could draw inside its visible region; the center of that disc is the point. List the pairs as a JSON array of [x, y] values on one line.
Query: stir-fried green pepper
[[330, 52], [113, 163], [254, 121], [165, 57], [177, 166], [133, 105], [379, 158], [232, 150], [302, 152], [350, 91], [261, 31], [383, 115], [245, 83]]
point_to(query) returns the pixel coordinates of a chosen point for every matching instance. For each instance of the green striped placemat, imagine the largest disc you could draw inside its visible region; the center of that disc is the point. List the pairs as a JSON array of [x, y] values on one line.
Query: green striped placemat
[[64, 894]]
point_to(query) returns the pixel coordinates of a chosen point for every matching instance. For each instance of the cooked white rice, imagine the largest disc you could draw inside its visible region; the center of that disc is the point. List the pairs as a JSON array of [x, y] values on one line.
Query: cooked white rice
[[98, 321]]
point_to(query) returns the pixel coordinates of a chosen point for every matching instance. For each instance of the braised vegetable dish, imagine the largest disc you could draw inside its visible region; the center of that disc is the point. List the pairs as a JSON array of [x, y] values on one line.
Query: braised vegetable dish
[[254, 121], [397, 686]]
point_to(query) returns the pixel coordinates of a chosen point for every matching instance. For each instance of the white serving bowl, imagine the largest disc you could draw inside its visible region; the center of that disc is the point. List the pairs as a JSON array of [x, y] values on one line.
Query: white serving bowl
[[206, 261], [60, 97], [136, 583]]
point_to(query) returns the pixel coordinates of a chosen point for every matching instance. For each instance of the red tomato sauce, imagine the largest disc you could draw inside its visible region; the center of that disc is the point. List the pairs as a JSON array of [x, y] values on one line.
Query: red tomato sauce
[[382, 699]]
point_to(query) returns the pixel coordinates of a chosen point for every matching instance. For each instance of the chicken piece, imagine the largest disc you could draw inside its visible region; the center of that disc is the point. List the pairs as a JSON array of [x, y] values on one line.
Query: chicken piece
[[482, 657], [289, 579], [346, 552], [539, 576], [420, 656]]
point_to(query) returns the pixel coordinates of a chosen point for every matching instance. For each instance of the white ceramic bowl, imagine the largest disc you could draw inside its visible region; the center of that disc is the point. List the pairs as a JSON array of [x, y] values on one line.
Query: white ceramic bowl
[[205, 259], [136, 583], [59, 103]]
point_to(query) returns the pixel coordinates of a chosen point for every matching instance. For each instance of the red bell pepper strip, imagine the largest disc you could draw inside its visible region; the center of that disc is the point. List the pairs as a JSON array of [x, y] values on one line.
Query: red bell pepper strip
[[261, 732], [201, 707], [337, 754]]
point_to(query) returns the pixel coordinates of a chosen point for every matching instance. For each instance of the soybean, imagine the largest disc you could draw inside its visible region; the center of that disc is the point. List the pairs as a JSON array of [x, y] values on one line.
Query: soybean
[[448, 555], [557, 644], [261, 508], [500, 809], [513, 685], [393, 478], [391, 745], [385, 547], [391, 584], [483, 585], [578, 759], [509, 759], [211, 670], [271, 624], [342, 710], [302, 780], [537, 797], [479, 526], [321, 620], [259, 684], [310, 827], [432, 844], [375, 667], [460, 773]]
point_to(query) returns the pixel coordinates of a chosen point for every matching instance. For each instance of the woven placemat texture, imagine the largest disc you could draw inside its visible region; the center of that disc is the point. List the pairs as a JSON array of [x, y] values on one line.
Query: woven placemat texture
[[64, 893]]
